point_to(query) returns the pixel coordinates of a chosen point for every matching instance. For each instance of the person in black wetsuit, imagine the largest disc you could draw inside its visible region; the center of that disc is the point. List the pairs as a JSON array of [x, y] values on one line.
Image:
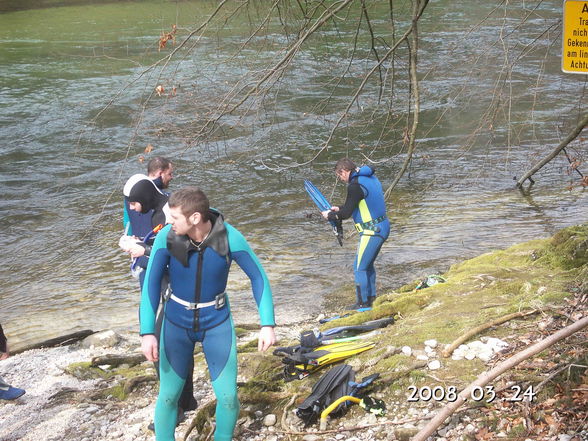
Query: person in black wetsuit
[[147, 208], [7, 392]]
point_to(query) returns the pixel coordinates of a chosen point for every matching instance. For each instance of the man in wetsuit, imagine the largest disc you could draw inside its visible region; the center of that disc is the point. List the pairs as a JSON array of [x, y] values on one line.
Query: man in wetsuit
[[7, 392], [148, 203], [198, 249], [161, 171], [365, 203]]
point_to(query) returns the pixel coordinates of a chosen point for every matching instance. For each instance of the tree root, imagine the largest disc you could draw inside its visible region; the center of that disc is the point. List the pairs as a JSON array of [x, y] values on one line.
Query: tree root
[[117, 360], [285, 412], [131, 383], [391, 377], [347, 429], [203, 416]]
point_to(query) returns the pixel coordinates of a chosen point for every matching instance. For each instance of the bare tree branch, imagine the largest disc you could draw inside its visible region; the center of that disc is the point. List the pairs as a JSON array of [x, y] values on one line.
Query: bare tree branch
[[487, 377], [572, 135]]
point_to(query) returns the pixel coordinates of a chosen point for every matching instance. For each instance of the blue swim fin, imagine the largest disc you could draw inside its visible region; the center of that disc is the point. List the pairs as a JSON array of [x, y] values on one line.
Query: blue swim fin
[[323, 204]]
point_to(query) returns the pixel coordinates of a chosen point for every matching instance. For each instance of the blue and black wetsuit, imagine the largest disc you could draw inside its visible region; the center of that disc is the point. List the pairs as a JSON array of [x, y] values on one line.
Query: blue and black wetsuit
[[152, 200], [198, 311], [365, 203]]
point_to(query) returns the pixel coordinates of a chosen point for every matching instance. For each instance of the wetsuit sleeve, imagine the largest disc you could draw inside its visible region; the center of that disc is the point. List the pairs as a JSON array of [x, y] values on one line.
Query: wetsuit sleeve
[[242, 253], [354, 196], [127, 219], [151, 292], [2, 340]]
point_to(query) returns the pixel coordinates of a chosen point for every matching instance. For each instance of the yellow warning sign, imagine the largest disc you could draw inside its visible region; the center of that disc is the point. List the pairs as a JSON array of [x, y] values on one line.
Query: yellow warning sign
[[575, 37]]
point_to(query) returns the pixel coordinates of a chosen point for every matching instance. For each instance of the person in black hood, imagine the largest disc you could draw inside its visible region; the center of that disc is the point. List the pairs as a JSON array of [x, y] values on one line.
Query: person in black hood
[[145, 196]]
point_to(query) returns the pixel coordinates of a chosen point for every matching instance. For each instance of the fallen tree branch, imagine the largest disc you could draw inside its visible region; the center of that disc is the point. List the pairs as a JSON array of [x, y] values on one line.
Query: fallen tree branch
[[285, 412], [449, 350], [347, 429], [573, 134], [64, 340], [487, 377]]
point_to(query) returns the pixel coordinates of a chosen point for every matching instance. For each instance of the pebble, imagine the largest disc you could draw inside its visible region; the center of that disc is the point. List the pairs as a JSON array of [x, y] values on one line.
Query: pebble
[[431, 343], [270, 420], [407, 350]]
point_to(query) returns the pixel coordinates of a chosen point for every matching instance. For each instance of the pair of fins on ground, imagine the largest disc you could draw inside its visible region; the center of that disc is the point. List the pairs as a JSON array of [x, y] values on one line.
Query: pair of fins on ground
[[334, 392], [319, 349]]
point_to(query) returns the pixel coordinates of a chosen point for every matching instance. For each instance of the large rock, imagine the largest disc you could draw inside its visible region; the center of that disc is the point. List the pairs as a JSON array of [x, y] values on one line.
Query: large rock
[[104, 339]]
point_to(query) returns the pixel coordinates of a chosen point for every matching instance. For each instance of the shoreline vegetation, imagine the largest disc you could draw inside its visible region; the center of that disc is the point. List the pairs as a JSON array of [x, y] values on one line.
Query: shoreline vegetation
[[100, 387]]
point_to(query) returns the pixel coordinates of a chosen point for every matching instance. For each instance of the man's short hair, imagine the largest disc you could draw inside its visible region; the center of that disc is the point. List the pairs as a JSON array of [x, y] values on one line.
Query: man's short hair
[[190, 200], [158, 163], [345, 164]]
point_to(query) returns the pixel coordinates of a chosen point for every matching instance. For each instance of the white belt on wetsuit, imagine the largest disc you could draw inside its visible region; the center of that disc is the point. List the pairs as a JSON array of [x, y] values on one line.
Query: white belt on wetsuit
[[219, 301]]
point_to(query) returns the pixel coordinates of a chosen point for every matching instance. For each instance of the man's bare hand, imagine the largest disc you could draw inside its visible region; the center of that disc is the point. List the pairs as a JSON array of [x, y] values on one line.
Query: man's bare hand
[[149, 347], [267, 337]]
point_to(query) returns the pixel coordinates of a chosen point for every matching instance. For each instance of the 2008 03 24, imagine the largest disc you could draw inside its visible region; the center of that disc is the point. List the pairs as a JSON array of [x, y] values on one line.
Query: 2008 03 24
[[478, 393]]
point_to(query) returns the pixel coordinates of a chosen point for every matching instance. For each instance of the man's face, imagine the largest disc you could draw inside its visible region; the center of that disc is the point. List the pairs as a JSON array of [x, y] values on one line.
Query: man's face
[[167, 175], [343, 175], [135, 206], [180, 223]]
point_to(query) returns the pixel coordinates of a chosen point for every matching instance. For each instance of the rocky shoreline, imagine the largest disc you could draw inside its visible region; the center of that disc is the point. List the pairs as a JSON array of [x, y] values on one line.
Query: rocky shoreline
[[61, 406], [69, 399]]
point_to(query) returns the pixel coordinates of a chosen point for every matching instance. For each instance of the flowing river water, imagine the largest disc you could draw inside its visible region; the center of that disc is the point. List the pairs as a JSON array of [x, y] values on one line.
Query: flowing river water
[[74, 125]]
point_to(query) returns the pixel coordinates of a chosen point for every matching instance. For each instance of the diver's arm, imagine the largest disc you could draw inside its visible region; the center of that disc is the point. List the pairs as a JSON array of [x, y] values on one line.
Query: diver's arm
[[242, 253], [151, 292], [127, 219], [354, 196]]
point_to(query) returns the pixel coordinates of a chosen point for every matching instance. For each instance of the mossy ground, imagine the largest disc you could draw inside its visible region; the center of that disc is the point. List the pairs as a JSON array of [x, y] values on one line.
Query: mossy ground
[[538, 274]]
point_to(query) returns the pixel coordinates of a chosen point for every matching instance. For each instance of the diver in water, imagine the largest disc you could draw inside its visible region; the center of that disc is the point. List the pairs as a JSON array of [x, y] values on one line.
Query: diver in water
[[365, 203], [197, 250]]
